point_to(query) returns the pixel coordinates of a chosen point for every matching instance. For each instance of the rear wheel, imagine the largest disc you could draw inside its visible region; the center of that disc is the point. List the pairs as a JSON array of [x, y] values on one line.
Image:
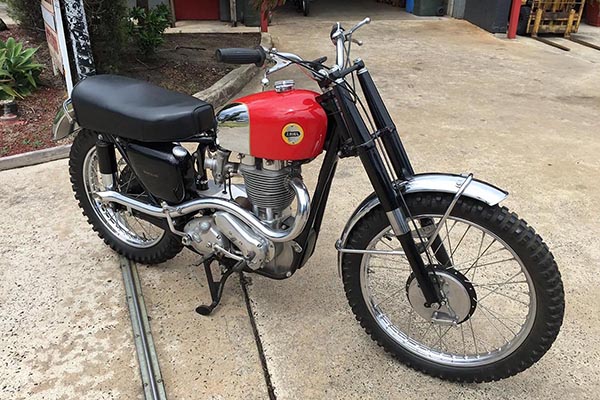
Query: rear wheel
[[305, 7], [125, 233], [504, 295]]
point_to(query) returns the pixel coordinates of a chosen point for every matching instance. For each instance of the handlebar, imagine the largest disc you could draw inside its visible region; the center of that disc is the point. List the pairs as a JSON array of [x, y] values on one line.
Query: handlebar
[[255, 56], [258, 56], [339, 36]]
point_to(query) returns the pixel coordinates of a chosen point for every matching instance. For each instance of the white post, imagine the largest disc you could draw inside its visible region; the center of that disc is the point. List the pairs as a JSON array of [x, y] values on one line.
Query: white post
[[62, 44], [233, 12]]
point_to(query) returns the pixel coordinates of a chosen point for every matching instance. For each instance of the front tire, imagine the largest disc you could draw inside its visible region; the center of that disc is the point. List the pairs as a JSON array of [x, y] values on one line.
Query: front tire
[[521, 278], [126, 234]]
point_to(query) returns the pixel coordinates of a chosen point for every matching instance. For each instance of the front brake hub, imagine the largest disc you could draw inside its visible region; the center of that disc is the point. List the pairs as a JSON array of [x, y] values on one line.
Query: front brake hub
[[459, 293]]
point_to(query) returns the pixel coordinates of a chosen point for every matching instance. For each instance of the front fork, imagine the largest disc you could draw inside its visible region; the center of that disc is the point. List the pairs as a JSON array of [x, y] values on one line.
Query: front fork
[[393, 146], [350, 118], [364, 143]]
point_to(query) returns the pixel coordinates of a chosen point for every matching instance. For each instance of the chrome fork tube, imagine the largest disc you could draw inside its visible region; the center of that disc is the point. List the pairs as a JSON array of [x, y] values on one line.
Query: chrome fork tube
[[108, 181]]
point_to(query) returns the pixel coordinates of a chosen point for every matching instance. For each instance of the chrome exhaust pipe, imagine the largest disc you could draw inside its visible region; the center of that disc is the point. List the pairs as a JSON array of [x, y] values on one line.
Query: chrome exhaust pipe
[[300, 219]]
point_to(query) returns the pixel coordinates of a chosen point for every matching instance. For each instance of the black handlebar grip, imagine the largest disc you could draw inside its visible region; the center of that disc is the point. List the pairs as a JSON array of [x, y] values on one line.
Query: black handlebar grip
[[255, 56]]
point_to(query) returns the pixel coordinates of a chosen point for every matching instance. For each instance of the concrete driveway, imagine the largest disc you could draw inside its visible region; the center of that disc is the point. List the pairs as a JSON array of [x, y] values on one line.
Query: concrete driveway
[[521, 115]]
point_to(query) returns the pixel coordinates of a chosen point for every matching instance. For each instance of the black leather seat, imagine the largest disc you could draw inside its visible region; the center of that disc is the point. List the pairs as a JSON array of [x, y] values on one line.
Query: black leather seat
[[139, 110]]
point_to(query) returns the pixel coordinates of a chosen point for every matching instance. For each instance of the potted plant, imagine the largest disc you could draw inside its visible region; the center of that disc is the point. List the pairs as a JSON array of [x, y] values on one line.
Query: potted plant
[[18, 75]]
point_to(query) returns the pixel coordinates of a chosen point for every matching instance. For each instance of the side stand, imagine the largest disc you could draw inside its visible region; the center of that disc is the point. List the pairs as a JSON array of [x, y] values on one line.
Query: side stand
[[216, 287]]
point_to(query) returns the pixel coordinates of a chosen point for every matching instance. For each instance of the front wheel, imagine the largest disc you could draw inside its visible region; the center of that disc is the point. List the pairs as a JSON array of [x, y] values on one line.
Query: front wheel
[[504, 295]]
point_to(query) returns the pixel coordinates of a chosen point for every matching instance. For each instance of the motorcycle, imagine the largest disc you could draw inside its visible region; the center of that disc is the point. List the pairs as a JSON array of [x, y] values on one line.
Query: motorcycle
[[434, 269]]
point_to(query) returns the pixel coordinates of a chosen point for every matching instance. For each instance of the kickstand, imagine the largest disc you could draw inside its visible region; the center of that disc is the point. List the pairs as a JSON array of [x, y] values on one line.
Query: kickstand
[[216, 287]]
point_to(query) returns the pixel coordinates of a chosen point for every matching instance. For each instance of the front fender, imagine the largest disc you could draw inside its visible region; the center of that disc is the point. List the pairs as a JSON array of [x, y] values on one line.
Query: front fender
[[423, 183], [64, 121]]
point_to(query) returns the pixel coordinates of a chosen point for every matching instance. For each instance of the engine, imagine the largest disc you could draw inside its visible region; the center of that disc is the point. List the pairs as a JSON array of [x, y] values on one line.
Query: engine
[[266, 193], [268, 189], [272, 133]]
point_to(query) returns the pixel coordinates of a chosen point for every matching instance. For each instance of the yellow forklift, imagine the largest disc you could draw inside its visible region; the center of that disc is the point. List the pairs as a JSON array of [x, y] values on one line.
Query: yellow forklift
[[560, 17]]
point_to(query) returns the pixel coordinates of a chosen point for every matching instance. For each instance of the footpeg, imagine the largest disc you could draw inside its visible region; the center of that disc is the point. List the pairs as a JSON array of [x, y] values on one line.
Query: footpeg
[[216, 287]]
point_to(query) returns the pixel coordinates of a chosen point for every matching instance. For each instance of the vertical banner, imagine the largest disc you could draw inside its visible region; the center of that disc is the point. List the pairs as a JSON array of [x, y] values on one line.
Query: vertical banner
[[80, 38], [55, 36]]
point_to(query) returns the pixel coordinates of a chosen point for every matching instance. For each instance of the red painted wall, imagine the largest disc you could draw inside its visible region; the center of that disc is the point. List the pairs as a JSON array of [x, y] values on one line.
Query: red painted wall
[[197, 9]]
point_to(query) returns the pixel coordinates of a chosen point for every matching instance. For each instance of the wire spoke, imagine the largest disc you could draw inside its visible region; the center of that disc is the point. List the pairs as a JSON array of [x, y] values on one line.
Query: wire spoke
[[482, 254], [388, 245], [462, 334], [498, 288], [458, 244], [485, 265], [497, 284], [474, 260], [507, 296], [427, 331], [478, 254], [473, 333], [388, 297], [449, 242], [442, 240], [145, 232], [494, 325], [499, 320], [386, 257], [386, 267], [441, 336]]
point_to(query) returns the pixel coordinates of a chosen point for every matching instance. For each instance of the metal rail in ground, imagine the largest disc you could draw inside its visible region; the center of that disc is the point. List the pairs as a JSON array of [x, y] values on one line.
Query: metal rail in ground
[[154, 388]]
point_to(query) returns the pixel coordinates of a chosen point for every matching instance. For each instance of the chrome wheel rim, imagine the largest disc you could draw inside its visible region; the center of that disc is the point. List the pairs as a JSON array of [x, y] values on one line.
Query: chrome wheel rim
[[506, 301], [129, 229]]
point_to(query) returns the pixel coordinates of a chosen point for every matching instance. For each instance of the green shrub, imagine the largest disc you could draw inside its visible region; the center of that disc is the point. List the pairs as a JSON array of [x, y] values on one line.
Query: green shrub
[[147, 28], [106, 24], [108, 32], [19, 72], [27, 12]]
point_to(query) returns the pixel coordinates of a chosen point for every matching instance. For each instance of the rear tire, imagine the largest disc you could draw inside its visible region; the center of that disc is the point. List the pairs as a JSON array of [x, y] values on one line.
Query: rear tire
[[548, 304], [305, 7], [164, 246]]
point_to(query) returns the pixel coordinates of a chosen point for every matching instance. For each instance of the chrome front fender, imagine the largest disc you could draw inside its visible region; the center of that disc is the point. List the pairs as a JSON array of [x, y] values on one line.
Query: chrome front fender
[[423, 183], [64, 121]]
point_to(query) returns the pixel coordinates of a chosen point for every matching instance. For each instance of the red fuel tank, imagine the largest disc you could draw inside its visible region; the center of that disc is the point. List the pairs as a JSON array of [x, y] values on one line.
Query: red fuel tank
[[289, 125]]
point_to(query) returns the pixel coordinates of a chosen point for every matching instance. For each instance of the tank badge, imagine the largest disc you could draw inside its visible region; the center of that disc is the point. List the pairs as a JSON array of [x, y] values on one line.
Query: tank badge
[[292, 134]]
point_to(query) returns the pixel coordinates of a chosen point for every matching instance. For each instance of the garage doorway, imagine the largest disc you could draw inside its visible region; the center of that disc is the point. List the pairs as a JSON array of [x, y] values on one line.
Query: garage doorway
[[341, 10], [197, 9]]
